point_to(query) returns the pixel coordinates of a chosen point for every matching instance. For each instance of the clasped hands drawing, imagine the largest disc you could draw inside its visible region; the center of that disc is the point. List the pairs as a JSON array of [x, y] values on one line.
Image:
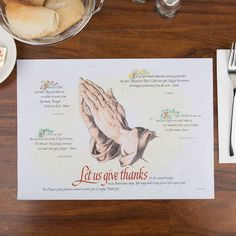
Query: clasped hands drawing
[[105, 119]]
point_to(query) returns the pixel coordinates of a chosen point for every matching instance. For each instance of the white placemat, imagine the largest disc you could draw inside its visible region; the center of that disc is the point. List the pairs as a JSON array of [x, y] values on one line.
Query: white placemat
[[58, 155]]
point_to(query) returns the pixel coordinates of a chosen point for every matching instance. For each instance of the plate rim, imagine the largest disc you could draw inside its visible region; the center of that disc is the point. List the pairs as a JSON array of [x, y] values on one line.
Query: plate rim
[[14, 51]]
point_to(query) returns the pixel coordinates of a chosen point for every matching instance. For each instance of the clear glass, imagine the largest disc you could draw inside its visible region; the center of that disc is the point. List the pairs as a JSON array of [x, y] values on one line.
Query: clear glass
[[168, 8], [90, 9], [140, 1]]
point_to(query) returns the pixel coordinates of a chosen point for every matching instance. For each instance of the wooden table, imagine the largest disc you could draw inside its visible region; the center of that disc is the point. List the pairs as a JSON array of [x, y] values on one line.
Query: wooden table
[[125, 30]]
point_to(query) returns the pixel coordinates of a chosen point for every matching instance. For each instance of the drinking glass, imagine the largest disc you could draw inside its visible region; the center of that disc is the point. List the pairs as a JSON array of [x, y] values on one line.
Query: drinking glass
[[140, 1], [168, 8]]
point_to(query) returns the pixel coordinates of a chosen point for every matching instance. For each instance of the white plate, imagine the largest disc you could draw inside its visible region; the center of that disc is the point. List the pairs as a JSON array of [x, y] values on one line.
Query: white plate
[[7, 41]]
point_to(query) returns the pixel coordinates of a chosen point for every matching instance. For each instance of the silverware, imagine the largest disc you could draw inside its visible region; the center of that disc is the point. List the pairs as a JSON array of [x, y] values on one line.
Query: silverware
[[232, 75]]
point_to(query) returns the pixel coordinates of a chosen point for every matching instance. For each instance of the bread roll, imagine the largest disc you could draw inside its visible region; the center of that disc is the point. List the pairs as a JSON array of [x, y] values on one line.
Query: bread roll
[[70, 12], [31, 21], [30, 2]]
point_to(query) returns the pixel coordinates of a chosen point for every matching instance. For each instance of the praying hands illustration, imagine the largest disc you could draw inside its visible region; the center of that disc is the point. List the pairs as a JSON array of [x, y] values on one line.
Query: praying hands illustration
[[106, 122]]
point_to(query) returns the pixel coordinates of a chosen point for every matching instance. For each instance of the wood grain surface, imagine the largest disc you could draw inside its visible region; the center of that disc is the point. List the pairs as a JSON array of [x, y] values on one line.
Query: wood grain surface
[[123, 29]]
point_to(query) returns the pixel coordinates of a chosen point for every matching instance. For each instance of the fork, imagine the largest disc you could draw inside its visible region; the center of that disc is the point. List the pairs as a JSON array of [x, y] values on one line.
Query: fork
[[232, 75]]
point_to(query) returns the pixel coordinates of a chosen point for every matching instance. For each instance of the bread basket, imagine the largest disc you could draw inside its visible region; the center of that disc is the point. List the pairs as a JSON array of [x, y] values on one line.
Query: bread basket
[[91, 7]]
